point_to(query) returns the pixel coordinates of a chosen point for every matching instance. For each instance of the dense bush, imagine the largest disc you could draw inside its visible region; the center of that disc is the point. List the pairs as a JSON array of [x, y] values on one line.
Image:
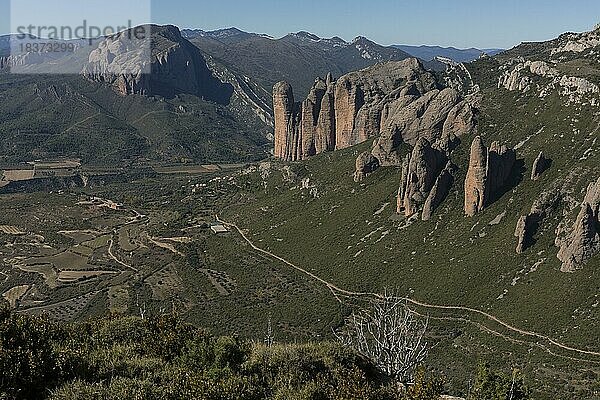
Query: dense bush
[[28, 361], [164, 358], [491, 385]]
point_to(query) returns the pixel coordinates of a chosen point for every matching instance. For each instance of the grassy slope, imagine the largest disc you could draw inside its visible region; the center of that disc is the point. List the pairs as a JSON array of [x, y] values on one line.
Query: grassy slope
[[91, 121], [451, 260]]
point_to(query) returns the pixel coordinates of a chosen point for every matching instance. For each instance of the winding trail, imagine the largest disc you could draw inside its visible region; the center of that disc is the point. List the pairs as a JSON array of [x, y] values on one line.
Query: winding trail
[[337, 291], [111, 254]]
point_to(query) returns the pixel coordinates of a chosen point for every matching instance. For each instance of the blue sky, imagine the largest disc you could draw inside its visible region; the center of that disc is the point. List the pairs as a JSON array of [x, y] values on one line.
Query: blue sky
[[459, 23]]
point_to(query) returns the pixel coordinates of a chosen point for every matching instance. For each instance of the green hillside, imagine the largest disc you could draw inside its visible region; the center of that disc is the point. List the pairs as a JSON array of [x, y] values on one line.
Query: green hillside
[[68, 116], [349, 234]]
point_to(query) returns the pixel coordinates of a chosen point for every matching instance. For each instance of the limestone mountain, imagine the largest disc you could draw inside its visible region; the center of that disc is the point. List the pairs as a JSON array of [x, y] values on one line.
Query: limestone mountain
[[179, 110], [176, 67]]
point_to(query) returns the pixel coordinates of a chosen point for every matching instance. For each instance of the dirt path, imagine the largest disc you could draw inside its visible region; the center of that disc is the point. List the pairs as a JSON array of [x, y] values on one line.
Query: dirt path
[[345, 292], [151, 113], [110, 253], [76, 124]]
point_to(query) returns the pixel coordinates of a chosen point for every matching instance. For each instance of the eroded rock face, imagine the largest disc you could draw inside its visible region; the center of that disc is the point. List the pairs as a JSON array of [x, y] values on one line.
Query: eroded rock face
[[521, 232], [582, 241], [311, 109], [540, 165], [440, 191], [285, 113], [527, 225], [175, 66], [440, 116], [420, 172], [366, 164], [349, 98], [476, 182], [460, 121], [326, 125], [501, 161], [339, 114], [489, 171]]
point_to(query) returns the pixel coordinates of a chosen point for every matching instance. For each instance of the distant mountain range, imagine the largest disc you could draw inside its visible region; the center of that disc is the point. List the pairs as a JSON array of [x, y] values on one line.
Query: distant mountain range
[[208, 98], [296, 58], [459, 55]]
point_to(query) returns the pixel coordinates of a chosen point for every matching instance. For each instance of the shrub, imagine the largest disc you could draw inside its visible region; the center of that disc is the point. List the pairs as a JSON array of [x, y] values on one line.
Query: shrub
[[28, 361], [491, 385]]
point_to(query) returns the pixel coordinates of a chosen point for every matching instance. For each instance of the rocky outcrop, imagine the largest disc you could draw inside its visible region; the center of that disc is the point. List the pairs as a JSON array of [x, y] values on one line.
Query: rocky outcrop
[[577, 43], [459, 122], [439, 192], [519, 77], [527, 225], [349, 98], [476, 182], [489, 171], [513, 80], [541, 68], [287, 143], [440, 116], [576, 86], [540, 165], [580, 243], [522, 233], [366, 164], [501, 161], [326, 125], [161, 62], [311, 109], [420, 171], [339, 114]]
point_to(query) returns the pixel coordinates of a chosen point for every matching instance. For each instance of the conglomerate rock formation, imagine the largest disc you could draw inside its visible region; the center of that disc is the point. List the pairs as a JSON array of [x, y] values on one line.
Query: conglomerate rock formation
[[489, 170], [420, 172], [582, 241], [399, 100], [402, 104]]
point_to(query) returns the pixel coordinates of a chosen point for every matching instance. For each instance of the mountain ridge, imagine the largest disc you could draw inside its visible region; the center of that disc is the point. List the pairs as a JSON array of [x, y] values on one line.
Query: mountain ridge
[[427, 52]]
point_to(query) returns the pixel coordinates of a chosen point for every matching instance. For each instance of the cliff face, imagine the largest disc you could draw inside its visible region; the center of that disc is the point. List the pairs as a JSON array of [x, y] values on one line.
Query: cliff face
[[339, 114], [489, 171], [287, 113], [420, 171], [176, 66], [582, 241]]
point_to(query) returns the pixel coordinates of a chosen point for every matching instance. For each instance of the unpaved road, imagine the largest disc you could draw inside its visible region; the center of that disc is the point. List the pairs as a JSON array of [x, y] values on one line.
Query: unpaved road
[[337, 291]]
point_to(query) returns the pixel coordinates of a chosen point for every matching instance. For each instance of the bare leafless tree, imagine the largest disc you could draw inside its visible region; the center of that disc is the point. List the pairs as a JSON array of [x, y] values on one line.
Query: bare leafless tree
[[141, 307], [390, 334], [269, 337]]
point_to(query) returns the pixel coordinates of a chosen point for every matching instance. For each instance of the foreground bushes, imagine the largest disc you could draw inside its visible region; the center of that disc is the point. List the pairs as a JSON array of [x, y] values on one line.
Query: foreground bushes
[[163, 358]]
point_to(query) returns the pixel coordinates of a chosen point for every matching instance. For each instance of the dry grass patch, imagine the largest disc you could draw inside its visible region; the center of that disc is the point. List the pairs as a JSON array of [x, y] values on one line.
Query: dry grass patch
[[67, 276], [11, 230], [15, 294]]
